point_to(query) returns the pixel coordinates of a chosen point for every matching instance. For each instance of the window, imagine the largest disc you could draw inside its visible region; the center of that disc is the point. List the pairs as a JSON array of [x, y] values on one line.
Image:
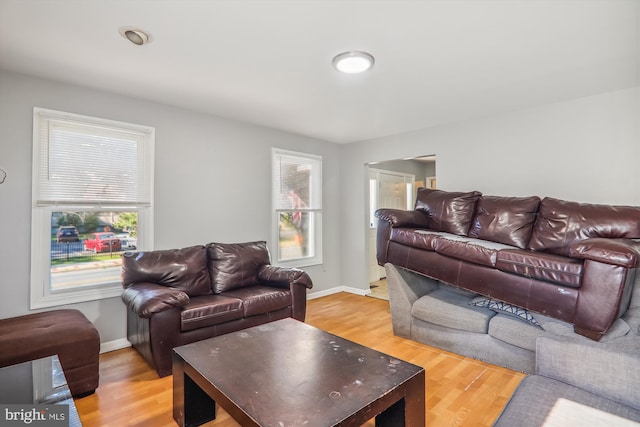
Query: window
[[297, 202], [92, 199]]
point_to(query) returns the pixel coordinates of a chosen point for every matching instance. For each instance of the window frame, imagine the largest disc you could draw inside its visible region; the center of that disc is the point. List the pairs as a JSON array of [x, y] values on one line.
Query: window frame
[[41, 295], [316, 173]]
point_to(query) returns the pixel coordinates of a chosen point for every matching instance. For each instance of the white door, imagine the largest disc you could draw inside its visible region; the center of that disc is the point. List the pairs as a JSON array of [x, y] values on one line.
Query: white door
[[387, 189]]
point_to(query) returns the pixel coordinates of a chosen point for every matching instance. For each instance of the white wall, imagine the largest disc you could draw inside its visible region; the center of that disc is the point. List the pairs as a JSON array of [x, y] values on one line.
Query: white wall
[[586, 150], [212, 183], [212, 174]]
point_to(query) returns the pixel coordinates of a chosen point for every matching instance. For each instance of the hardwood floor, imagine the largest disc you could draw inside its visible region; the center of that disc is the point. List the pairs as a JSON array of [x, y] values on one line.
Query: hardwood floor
[[459, 391]]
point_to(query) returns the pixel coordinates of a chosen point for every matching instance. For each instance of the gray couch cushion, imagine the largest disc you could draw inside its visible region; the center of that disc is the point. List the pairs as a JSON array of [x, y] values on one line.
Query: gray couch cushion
[[515, 331], [450, 307], [609, 369], [536, 395]]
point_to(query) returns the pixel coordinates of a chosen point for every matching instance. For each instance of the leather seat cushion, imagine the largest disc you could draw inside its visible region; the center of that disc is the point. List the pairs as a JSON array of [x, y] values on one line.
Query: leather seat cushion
[[477, 251], [261, 299], [416, 238], [209, 310], [542, 266]]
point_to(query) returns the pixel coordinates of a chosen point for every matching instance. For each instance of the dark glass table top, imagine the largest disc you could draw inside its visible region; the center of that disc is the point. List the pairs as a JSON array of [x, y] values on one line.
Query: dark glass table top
[[39, 381]]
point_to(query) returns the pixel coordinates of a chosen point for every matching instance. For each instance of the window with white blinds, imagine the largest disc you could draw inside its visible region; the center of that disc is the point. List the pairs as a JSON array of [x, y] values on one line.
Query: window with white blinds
[[84, 161], [297, 204], [92, 200]]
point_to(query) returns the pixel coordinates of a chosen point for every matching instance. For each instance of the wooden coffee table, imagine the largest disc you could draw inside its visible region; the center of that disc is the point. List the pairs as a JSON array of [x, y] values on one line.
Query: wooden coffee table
[[288, 373]]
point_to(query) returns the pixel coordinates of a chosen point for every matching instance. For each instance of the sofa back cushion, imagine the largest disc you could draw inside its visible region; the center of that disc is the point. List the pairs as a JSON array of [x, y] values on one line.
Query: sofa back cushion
[[561, 223], [451, 212], [236, 265], [507, 220], [184, 269]]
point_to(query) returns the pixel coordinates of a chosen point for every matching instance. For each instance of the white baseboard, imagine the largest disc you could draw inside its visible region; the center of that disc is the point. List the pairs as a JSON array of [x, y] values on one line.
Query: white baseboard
[[106, 347], [349, 289]]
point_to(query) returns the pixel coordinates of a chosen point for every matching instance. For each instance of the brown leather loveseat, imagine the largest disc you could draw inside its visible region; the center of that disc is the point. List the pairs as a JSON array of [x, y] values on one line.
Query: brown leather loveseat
[[571, 261], [179, 296]]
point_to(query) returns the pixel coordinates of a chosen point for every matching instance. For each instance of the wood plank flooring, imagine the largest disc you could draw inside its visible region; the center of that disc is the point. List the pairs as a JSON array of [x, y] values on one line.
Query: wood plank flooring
[[459, 391]]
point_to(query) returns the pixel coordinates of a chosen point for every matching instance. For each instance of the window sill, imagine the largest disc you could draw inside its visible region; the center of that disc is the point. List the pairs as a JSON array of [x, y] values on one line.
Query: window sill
[[74, 296]]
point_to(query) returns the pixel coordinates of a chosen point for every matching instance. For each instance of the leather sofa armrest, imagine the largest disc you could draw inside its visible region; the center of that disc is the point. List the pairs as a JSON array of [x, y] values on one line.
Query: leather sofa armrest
[[402, 218], [622, 252], [284, 277], [295, 279], [146, 299]]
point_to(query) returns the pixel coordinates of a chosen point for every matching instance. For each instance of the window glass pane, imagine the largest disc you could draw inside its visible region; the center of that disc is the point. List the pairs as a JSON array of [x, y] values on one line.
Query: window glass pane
[[295, 235], [86, 246]]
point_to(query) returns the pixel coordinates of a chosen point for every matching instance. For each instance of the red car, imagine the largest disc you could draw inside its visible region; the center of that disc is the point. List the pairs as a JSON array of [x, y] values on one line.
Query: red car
[[102, 242]]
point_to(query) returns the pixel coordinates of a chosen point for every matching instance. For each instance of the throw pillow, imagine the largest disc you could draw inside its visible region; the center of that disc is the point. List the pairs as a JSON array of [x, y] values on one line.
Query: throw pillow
[[504, 308], [236, 265], [451, 212], [507, 220]]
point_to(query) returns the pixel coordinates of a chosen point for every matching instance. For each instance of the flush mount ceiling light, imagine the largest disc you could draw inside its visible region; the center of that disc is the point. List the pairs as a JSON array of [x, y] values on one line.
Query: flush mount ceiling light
[[353, 62], [135, 35]]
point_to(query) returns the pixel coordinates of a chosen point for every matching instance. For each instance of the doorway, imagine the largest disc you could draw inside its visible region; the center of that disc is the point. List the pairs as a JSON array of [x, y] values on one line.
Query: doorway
[[392, 184]]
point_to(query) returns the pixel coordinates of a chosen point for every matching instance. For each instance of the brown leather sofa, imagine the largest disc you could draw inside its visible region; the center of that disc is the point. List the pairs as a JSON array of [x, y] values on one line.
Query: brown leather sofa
[[570, 261], [179, 296], [67, 333]]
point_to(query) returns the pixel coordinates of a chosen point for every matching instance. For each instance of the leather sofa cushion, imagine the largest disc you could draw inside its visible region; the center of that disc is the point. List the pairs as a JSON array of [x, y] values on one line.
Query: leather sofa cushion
[[416, 238], [507, 220], [451, 212], [477, 251], [183, 269], [561, 223], [236, 265], [551, 268], [209, 310], [261, 299]]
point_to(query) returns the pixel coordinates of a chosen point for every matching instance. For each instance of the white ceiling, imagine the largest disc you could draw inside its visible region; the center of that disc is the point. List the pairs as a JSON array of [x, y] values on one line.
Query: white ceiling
[[269, 62]]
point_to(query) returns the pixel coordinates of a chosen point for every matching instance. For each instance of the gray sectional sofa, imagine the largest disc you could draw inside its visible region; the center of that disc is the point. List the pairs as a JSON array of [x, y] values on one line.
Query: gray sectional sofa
[[604, 374]]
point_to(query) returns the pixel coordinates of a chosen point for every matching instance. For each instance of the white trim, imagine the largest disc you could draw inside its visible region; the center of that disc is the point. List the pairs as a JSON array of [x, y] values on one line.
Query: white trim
[[118, 344], [338, 289], [41, 295], [317, 258]]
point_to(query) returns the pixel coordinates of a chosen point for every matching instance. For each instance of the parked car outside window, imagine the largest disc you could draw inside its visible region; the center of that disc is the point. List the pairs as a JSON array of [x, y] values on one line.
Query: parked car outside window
[[67, 233], [127, 242], [102, 242]]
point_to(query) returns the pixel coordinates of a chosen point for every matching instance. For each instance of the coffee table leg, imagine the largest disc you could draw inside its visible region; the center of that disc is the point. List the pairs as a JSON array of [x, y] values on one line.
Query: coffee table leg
[[191, 405], [393, 416], [408, 411]]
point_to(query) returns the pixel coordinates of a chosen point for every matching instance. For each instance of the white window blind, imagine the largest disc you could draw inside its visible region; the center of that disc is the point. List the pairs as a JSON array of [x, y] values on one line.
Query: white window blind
[[87, 162], [298, 182], [90, 175]]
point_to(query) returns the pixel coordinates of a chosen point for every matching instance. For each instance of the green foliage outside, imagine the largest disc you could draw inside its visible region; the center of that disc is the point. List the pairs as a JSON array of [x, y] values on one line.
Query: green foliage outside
[[127, 221]]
